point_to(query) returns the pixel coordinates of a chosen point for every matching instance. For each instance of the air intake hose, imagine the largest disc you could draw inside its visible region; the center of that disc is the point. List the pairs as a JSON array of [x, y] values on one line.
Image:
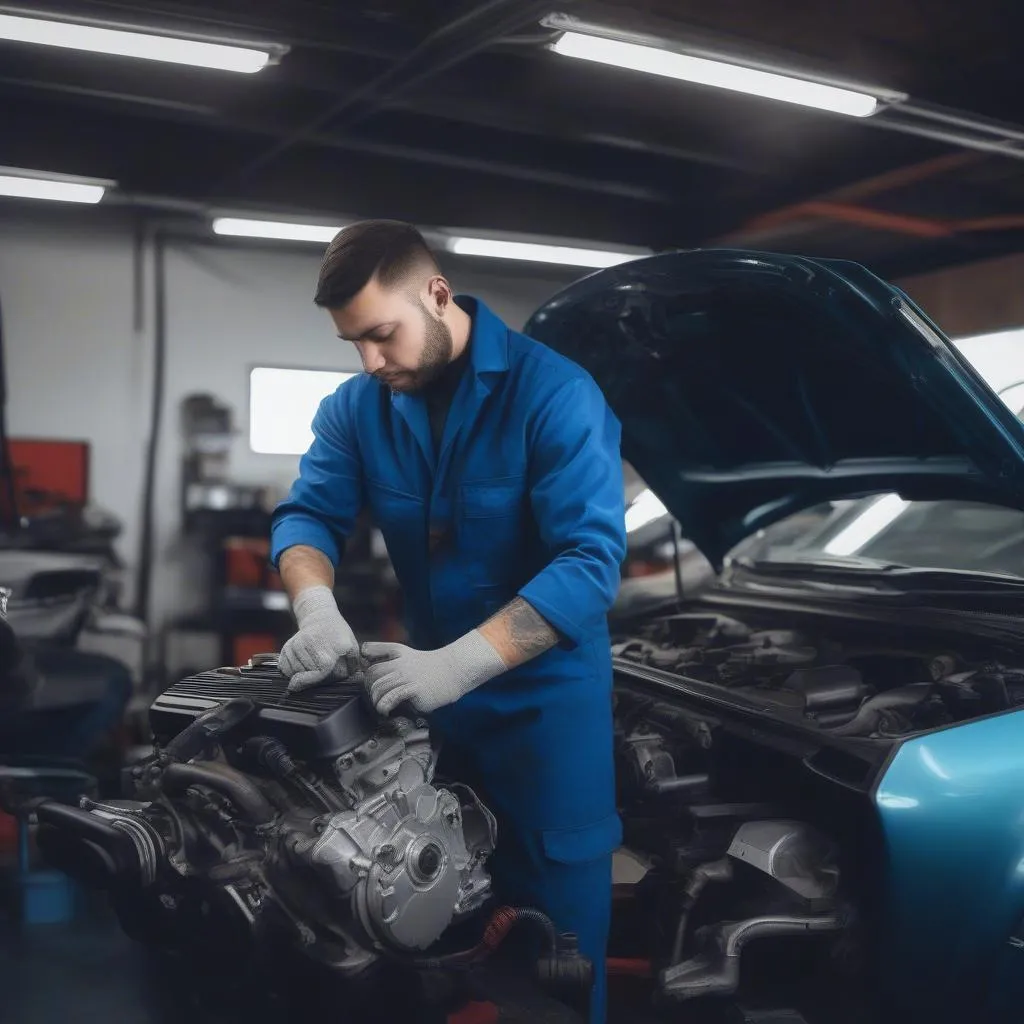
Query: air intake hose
[[248, 800], [84, 846], [209, 726]]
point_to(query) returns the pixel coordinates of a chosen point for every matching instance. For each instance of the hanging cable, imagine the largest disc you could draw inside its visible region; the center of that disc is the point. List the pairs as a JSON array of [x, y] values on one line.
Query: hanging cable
[[11, 516], [153, 446]]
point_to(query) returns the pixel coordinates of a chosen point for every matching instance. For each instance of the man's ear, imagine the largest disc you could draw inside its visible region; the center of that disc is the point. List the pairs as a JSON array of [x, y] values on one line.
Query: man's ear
[[440, 292]]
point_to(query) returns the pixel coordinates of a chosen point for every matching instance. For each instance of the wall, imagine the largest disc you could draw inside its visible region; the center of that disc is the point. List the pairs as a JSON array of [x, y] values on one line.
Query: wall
[[974, 299], [79, 368], [76, 365]]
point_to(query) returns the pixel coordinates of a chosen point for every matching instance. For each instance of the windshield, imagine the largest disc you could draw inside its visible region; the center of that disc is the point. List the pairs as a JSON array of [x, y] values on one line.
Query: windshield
[[956, 535]]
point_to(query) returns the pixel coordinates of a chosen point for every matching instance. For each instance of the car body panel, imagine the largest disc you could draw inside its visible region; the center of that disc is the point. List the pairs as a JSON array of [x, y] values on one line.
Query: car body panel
[[751, 386], [951, 805]]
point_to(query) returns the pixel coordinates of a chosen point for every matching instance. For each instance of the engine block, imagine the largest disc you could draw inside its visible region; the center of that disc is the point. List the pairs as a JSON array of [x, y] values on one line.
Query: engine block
[[310, 817]]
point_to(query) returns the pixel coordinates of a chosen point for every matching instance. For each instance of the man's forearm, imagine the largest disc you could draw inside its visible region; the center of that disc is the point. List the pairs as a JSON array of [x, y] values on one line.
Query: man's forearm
[[302, 567], [519, 633]]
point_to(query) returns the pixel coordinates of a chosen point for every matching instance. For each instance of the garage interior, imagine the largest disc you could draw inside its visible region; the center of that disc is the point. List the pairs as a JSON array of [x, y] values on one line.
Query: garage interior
[[161, 357]]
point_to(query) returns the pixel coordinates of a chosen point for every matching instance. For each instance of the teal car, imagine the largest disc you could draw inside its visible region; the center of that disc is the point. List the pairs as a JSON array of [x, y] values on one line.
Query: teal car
[[821, 753]]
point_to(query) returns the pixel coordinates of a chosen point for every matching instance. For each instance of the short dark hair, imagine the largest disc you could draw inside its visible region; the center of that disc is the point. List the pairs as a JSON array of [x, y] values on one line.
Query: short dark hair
[[388, 250]]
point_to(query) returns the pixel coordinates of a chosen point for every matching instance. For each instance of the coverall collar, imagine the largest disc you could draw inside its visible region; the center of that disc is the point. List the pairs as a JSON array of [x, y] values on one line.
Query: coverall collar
[[488, 338], [488, 355]]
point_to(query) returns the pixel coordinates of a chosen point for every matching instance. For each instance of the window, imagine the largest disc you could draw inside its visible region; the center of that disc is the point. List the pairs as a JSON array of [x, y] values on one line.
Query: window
[[282, 404]]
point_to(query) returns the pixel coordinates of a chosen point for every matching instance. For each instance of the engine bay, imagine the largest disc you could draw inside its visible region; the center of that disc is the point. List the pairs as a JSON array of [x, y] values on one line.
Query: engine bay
[[867, 682], [748, 749]]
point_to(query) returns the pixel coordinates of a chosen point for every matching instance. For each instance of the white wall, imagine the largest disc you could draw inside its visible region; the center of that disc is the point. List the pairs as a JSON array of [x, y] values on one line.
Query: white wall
[[76, 367], [79, 370]]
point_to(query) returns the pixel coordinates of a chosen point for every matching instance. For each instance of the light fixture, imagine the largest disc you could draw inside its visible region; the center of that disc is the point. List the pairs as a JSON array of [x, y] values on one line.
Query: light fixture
[[22, 184], [288, 231], [670, 60], [124, 42], [537, 252], [645, 509], [880, 514]]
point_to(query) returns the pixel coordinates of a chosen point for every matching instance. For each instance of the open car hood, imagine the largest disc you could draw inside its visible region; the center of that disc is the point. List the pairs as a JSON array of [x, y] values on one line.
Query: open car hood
[[752, 385]]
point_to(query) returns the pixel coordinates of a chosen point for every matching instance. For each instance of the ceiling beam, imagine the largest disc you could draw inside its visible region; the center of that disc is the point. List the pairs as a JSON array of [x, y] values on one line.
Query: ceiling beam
[[441, 156], [442, 49]]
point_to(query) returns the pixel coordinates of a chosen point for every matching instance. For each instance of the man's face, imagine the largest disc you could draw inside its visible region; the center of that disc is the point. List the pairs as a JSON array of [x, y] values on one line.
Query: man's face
[[398, 333]]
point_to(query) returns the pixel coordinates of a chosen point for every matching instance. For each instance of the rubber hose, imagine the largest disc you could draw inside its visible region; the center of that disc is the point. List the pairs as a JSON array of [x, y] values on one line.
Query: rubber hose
[[211, 724], [249, 801], [501, 923]]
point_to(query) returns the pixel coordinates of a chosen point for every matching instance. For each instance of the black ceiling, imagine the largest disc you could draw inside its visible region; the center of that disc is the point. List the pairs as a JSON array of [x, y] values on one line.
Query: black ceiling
[[456, 115]]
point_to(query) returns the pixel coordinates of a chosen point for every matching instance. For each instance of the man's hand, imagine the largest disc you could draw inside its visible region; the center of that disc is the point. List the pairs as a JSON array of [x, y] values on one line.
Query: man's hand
[[429, 679], [324, 645]]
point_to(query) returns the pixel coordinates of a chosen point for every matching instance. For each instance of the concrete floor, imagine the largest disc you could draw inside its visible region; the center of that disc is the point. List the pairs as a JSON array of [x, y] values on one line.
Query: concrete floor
[[86, 972], [89, 972]]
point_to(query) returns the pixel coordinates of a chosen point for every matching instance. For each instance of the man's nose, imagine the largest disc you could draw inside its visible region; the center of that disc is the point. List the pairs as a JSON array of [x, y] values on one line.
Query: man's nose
[[373, 361]]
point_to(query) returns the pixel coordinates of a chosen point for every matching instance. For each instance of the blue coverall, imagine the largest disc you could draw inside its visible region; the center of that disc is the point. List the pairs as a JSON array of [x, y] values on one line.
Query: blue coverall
[[528, 489]]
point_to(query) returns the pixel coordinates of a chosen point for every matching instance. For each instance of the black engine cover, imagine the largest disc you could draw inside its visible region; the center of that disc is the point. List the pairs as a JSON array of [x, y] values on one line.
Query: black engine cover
[[321, 722]]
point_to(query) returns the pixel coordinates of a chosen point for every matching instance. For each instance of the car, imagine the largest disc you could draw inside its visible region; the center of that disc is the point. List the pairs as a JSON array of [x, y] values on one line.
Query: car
[[819, 751], [820, 756]]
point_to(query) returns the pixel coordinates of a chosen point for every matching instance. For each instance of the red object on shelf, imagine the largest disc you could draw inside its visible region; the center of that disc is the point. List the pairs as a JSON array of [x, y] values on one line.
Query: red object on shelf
[[245, 645], [8, 834], [49, 473], [247, 564]]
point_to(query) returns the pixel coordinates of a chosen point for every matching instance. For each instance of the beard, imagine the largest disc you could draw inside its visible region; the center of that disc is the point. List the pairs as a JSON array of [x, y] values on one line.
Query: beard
[[437, 354]]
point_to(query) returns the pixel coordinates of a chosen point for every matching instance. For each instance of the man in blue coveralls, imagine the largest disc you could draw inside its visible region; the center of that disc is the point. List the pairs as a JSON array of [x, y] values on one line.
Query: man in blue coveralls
[[491, 465]]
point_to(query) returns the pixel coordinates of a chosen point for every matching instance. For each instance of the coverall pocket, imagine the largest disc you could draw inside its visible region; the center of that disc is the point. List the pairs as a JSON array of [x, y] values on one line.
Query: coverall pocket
[[490, 499], [582, 843]]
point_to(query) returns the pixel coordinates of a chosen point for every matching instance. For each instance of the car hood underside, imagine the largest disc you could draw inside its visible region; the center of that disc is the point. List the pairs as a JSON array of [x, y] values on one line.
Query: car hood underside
[[751, 385]]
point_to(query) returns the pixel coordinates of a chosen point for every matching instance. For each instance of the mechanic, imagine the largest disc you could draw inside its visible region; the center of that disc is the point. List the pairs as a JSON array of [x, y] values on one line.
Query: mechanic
[[491, 465]]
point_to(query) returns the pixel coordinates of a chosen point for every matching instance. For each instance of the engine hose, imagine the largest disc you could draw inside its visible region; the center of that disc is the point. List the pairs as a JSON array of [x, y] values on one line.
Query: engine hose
[[501, 923], [250, 802], [271, 754], [712, 871], [210, 725], [869, 714]]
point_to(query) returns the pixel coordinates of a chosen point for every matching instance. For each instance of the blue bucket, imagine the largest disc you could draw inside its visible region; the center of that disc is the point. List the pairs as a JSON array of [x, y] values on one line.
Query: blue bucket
[[47, 897]]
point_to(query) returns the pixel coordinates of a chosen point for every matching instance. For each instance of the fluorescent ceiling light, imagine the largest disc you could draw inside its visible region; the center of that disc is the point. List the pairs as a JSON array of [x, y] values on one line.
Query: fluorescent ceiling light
[[128, 43], [721, 74], [536, 252], [286, 230], [35, 185], [646, 508], [867, 526]]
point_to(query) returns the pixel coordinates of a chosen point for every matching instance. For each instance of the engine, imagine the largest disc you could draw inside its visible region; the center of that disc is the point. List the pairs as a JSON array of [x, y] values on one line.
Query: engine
[[263, 816]]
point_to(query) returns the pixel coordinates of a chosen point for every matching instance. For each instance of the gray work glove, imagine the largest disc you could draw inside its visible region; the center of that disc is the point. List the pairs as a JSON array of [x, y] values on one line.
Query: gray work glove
[[429, 679], [324, 646]]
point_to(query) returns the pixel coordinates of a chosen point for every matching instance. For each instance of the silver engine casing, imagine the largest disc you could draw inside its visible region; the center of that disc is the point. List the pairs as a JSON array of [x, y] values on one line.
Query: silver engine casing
[[401, 853]]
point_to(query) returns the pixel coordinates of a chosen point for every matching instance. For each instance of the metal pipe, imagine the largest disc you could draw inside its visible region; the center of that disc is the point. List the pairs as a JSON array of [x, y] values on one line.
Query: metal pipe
[[952, 138], [717, 971], [711, 871]]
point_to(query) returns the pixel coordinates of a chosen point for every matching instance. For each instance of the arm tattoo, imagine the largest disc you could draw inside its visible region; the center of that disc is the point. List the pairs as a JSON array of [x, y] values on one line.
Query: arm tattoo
[[528, 629], [527, 632]]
